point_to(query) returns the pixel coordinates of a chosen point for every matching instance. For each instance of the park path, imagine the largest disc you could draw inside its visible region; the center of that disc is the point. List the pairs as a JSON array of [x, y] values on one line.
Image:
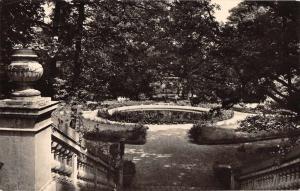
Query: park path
[[168, 161], [233, 122]]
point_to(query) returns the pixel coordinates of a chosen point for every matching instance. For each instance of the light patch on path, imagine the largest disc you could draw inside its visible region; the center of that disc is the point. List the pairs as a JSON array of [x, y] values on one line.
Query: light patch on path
[[233, 123], [155, 128]]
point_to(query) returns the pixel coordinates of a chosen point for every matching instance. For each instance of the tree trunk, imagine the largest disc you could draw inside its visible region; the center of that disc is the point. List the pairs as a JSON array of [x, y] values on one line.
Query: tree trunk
[[55, 33], [2, 66], [56, 19], [77, 63]]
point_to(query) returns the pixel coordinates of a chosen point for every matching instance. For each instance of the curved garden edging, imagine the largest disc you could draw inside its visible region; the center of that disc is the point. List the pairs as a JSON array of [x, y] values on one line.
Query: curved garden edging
[[158, 107], [106, 125], [231, 123]]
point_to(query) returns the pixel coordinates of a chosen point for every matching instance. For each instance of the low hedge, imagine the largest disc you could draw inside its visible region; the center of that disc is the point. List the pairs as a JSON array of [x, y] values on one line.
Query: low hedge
[[208, 134], [131, 134], [165, 117], [254, 128]]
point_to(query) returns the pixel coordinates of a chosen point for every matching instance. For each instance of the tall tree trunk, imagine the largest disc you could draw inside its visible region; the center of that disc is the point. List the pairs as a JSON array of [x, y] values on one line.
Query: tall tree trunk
[[55, 33], [56, 19], [77, 63], [2, 66]]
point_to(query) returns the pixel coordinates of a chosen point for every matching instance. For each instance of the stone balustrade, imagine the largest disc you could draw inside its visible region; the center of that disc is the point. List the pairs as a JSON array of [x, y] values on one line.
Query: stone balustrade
[[35, 154], [72, 164], [271, 174]]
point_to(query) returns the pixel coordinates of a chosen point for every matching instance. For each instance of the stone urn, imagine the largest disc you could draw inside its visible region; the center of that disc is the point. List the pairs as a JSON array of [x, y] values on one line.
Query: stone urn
[[24, 70]]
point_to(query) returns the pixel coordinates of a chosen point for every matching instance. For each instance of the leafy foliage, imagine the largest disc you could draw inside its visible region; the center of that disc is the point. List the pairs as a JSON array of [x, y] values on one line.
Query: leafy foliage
[[117, 48], [164, 117], [196, 131], [270, 123], [283, 125], [260, 49]]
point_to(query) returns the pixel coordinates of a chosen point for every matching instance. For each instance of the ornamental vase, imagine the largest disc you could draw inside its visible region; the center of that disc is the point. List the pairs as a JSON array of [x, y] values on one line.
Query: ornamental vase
[[24, 70]]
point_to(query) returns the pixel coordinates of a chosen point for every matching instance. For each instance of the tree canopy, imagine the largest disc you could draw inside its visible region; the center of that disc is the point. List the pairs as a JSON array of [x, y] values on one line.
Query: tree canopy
[[118, 48], [260, 45]]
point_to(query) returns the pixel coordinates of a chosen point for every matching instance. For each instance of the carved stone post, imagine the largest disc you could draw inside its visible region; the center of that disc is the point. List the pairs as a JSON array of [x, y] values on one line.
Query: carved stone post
[[25, 133]]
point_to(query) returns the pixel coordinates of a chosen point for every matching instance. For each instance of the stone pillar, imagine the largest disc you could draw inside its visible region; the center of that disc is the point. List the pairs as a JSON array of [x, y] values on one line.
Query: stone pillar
[[25, 132]]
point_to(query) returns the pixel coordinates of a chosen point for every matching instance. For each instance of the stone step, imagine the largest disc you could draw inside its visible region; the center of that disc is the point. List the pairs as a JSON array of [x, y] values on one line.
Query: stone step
[[165, 188]]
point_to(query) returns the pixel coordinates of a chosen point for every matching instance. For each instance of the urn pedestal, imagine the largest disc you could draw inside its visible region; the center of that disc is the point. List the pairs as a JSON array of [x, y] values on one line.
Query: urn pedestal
[[25, 128]]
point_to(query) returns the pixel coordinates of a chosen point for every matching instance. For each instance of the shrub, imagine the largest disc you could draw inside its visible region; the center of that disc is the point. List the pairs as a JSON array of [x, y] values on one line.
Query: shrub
[[103, 113], [219, 114], [274, 125], [167, 117], [196, 132], [206, 133], [270, 123], [134, 135], [195, 101]]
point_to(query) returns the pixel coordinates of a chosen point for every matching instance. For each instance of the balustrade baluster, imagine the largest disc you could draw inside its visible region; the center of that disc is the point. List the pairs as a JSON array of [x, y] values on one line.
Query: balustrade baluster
[[289, 177], [297, 177]]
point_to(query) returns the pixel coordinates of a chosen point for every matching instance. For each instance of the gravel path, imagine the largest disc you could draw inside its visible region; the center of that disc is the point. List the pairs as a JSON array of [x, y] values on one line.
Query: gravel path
[[169, 159]]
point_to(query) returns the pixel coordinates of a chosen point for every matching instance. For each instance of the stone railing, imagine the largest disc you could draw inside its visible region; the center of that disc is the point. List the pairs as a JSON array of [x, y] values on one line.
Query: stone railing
[[271, 174], [74, 168], [36, 155]]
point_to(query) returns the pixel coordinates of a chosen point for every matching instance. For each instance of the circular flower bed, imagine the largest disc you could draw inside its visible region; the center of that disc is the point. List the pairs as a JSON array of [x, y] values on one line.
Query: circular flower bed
[[165, 116]]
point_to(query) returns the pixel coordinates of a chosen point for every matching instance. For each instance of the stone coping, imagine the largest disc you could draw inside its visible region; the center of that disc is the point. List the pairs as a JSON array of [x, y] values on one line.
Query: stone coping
[[159, 107], [105, 123]]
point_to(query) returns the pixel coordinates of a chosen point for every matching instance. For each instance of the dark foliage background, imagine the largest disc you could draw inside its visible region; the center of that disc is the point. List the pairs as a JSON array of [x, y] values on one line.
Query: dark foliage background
[[94, 50]]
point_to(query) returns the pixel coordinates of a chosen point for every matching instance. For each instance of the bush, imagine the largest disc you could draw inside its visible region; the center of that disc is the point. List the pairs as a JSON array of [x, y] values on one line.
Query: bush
[[205, 133], [270, 123], [103, 113], [276, 126], [218, 114], [166, 117], [135, 135], [196, 132], [195, 101]]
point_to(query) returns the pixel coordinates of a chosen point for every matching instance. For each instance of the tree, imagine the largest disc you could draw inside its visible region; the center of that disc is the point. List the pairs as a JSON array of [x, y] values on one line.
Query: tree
[[193, 32], [260, 45], [18, 22], [121, 49]]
